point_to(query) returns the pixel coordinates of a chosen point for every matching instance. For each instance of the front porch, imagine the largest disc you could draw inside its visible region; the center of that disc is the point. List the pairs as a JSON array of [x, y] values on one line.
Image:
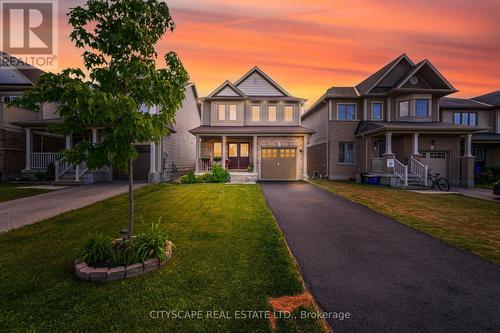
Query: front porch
[[405, 159], [44, 149], [237, 154]]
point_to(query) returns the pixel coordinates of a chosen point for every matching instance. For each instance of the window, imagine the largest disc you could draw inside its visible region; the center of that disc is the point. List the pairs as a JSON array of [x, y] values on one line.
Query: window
[[217, 149], [288, 112], [255, 112], [346, 152], [221, 112], [422, 107], [272, 111], [346, 111], [437, 154], [404, 109], [233, 150], [244, 151], [376, 111], [232, 111], [465, 118], [8, 99], [478, 153]]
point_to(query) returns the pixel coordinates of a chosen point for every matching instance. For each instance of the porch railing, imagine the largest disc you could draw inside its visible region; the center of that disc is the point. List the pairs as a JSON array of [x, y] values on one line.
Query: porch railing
[[40, 161], [206, 165], [401, 171], [420, 170], [378, 164]]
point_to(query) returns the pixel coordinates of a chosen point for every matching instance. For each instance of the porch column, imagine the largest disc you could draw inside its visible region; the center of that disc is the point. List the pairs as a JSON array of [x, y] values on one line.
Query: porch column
[[152, 157], [94, 136], [28, 149], [388, 144], [254, 153], [197, 167], [224, 152], [304, 172], [415, 144], [468, 145], [68, 141]]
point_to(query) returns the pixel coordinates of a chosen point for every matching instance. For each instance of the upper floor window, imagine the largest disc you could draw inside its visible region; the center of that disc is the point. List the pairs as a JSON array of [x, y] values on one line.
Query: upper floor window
[[272, 111], [221, 112], [255, 112], [346, 111], [422, 107], [288, 112], [465, 118], [8, 99], [232, 111], [404, 108], [376, 111]]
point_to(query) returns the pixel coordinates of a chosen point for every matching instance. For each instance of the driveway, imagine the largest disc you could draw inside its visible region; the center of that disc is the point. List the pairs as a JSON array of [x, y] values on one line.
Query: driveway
[[29, 210], [389, 277]]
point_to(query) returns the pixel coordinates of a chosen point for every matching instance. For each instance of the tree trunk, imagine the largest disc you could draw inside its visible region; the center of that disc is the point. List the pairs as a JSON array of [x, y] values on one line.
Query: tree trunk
[[130, 198]]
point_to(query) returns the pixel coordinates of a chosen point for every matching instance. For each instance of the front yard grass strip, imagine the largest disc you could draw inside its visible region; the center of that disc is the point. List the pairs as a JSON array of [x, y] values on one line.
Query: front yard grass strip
[[10, 192], [468, 223], [229, 256]]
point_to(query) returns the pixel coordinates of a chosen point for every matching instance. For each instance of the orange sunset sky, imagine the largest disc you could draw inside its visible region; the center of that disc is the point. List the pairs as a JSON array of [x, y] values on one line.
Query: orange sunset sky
[[309, 46]]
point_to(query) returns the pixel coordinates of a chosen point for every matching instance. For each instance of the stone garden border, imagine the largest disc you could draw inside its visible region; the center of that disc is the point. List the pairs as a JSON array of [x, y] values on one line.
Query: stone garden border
[[106, 274]]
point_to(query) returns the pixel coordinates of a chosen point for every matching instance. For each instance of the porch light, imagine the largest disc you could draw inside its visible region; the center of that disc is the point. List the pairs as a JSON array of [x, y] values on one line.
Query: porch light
[[433, 144], [375, 145]]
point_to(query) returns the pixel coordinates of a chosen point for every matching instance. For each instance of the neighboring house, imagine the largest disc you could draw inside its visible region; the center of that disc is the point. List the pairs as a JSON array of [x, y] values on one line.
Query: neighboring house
[[389, 125], [481, 111], [253, 128], [12, 139], [27, 148]]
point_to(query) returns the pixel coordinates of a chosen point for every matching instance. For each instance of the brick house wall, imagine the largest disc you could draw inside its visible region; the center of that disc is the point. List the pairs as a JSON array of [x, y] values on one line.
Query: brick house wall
[[12, 153]]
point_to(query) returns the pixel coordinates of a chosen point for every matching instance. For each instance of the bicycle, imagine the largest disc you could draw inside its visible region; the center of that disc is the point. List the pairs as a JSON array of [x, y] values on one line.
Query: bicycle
[[440, 183]]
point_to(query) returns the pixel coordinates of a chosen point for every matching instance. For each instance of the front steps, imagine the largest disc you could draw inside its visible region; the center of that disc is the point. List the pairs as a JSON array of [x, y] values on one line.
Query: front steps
[[243, 177]]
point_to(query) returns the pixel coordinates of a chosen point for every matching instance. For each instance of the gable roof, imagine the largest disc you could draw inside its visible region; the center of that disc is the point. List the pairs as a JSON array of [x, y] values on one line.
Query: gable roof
[[24, 75], [370, 82], [416, 68], [450, 103], [258, 71], [224, 89], [492, 98]]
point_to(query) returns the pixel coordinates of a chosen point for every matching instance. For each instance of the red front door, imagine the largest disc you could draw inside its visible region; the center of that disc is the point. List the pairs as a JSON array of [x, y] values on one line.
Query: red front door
[[238, 154]]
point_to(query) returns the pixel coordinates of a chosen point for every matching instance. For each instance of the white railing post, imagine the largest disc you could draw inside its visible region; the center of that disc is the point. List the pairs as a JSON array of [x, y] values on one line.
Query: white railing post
[[77, 172], [56, 169], [406, 175], [426, 177]]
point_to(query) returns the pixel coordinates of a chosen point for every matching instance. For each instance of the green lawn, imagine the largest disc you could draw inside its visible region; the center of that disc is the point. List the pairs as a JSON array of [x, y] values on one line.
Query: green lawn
[[229, 255], [468, 223], [11, 192], [486, 186]]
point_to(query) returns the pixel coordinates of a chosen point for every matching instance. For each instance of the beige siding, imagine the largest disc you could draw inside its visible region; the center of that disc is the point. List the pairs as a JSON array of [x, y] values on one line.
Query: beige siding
[[256, 85], [227, 92], [484, 118], [318, 122], [179, 148], [239, 114]]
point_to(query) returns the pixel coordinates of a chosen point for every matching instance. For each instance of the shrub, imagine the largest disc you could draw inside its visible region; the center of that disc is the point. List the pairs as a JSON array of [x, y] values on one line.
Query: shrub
[[205, 178], [98, 250], [189, 178], [150, 244], [217, 159], [219, 174]]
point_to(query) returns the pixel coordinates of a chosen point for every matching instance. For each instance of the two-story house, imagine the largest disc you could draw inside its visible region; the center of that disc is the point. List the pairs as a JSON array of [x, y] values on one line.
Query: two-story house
[[481, 111], [253, 128], [390, 125], [27, 147]]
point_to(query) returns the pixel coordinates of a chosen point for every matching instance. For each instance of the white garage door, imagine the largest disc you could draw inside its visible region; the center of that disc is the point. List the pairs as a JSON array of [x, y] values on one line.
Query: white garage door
[[437, 162]]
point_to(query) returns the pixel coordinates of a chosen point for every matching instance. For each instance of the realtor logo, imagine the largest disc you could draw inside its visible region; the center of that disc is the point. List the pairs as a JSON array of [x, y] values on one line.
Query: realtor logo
[[30, 28]]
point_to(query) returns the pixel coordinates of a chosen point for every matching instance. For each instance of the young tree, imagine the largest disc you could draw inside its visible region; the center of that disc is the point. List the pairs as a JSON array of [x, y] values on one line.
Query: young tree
[[119, 38]]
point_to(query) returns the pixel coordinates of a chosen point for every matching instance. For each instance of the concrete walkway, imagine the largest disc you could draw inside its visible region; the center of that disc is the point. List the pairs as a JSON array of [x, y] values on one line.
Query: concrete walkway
[[479, 193], [29, 210], [389, 277]]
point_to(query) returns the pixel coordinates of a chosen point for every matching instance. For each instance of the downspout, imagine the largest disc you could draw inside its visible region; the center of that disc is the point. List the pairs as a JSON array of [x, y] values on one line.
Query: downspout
[[366, 151], [328, 141]]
